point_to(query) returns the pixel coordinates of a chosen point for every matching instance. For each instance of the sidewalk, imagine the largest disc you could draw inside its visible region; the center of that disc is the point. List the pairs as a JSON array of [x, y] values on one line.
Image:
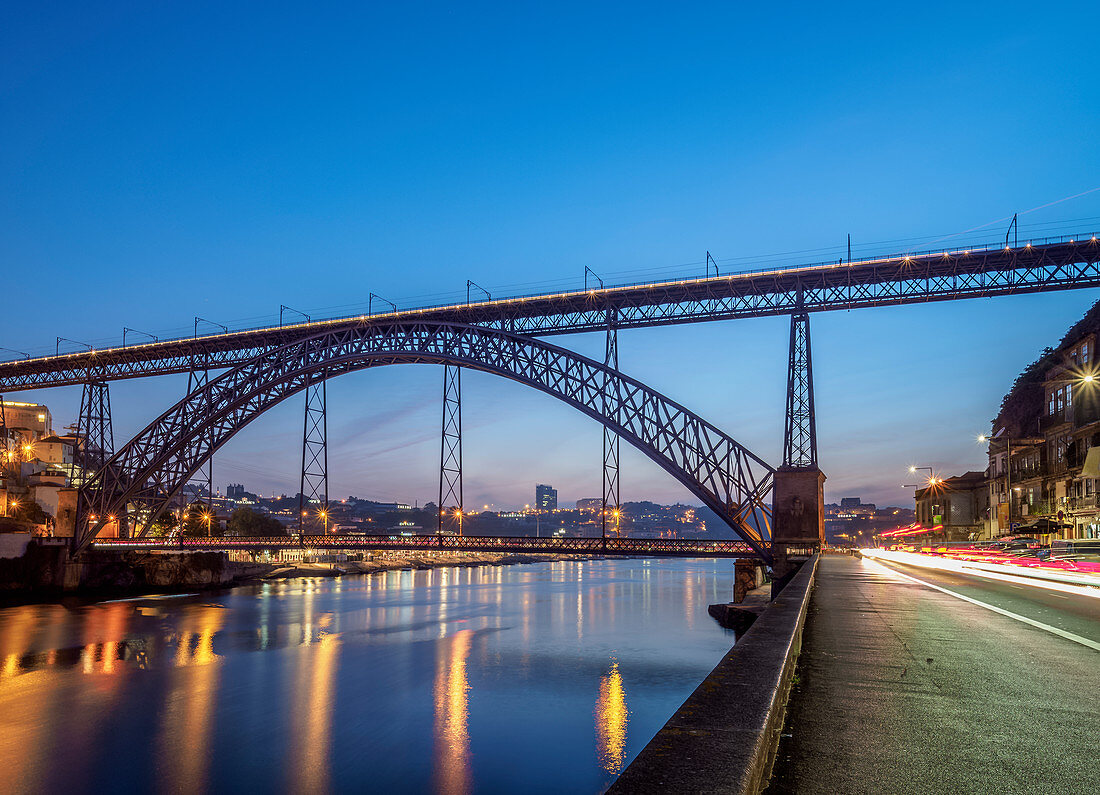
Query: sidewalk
[[904, 689]]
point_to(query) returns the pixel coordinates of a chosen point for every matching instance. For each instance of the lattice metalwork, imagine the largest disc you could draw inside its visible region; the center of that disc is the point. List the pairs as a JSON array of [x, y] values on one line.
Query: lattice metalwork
[[95, 431], [450, 455], [95, 445], [610, 507], [940, 276], [657, 547], [720, 472], [313, 489], [202, 481], [800, 433]]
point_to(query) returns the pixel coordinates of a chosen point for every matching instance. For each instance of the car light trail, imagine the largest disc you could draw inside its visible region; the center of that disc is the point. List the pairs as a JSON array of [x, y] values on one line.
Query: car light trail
[[1081, 584]]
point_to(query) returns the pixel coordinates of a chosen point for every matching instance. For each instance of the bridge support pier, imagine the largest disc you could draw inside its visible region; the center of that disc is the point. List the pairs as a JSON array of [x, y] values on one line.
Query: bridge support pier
[[610, 505], [798, 493], [313, 484], [198, 378], [450, 455]]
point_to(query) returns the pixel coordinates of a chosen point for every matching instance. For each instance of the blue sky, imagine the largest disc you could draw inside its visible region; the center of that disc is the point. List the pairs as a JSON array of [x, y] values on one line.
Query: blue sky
[[164, 160]]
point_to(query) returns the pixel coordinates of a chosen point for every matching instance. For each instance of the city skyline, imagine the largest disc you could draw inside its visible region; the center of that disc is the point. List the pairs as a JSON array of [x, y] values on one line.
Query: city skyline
[[634, 157]]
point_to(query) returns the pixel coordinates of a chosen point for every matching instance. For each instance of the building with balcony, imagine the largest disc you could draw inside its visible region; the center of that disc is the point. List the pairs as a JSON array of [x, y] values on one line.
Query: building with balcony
[[1044, 452]]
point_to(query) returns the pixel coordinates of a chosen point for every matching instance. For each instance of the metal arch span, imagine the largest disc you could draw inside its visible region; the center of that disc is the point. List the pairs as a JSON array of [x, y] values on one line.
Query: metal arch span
[[155, 464]]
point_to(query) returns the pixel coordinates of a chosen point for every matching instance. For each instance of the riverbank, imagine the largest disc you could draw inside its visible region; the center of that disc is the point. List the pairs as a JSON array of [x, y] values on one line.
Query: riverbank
[[47, 574], [415, 561]]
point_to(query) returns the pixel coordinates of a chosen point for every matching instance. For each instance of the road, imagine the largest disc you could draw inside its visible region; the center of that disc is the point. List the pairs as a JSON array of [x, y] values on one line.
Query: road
[[903, 686]]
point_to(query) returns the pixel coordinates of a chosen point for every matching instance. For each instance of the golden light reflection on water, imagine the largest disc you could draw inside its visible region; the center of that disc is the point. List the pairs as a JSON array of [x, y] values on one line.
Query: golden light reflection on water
[[611, 719], [309, 763], [452, 772], [187, 725]]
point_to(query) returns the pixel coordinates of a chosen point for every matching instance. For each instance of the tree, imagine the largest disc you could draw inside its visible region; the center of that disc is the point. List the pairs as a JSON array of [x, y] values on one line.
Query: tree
[[248, 523], [200, 522], [30, 511], [164, 524]]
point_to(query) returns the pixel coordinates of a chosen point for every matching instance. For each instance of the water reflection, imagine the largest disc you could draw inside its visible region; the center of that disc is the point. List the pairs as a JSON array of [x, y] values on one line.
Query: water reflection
[[496, 675], [187, 725], [314, 696], [452, 736], [611, 719]]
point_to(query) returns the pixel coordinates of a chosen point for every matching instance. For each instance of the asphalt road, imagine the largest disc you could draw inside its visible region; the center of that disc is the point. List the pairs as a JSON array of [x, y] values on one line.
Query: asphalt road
[[1073, 613], [904, 688]]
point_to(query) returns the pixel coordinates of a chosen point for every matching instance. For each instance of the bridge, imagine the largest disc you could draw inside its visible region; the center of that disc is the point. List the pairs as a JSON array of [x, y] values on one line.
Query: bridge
[[776, 513], [621, 547]]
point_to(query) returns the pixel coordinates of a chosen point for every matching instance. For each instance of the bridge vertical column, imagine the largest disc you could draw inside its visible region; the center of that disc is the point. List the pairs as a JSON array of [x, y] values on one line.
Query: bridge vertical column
[[199, 378], [313, 486], [610, 502], [450, 456], [4, 445], [95, 444], [798, 498]]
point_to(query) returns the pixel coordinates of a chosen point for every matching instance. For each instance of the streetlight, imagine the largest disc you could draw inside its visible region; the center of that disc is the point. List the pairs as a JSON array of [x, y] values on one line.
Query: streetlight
[[324, 517]]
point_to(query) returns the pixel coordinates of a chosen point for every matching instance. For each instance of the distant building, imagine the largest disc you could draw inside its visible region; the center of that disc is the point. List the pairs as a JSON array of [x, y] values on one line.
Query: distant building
[[25, 423], [955, 508], [546, 497], [849, 502], [590, 505]]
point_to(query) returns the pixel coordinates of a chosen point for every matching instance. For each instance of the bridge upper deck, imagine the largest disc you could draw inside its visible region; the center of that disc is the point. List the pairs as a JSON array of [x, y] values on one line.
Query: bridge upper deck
[[1053, 264]]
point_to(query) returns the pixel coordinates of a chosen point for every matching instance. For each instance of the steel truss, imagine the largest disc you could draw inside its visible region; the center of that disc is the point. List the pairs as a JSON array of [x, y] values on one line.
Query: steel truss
[[313, 487], [5, 445], [449, 506], [610, 504], [95, 445], [656, 547], [800, 433], [197, 379], [159, 460], [940, 276]]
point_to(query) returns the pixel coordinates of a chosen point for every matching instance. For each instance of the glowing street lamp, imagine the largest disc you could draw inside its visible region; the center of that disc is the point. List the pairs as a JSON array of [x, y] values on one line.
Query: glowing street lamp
[[324, 517]]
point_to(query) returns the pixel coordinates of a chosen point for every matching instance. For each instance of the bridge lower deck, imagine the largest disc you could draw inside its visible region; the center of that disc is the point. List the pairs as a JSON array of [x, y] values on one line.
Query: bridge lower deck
[[656, 547]]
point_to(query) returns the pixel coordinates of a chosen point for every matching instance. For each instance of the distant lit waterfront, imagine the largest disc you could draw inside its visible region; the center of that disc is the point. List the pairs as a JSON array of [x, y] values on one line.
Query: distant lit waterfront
[[547, 677]]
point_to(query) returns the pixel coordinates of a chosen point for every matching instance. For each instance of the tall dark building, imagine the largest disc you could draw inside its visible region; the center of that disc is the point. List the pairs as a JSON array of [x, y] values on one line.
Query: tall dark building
[[234, 491], [546, 497]]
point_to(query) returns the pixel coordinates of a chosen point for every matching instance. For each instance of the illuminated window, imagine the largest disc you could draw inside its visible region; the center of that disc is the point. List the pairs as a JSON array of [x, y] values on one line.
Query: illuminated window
[[41, 417], [1084, 352]]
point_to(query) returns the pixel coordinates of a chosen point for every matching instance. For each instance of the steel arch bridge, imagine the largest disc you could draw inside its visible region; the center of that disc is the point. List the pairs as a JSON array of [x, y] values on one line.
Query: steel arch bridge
[[155, 465]]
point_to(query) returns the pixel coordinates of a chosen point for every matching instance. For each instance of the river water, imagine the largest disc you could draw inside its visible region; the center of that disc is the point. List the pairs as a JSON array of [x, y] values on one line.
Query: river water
[[537, 678]]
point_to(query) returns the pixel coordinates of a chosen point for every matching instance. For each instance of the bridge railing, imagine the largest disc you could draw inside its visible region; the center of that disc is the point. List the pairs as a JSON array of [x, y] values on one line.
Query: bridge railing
[[447, 543]]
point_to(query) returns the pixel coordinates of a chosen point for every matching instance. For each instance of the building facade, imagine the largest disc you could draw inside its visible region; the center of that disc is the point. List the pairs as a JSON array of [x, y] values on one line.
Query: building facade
[[955, 508], [1044, 452]]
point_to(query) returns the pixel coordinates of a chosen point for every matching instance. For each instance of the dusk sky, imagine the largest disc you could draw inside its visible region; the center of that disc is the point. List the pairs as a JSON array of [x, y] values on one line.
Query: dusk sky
[[164, 160]]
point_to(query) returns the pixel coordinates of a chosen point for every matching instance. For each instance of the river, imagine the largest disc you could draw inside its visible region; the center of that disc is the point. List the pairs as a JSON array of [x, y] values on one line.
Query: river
[[547, 677]]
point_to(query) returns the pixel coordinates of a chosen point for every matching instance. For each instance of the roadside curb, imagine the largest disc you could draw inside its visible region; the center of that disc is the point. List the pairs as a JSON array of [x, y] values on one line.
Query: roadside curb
[[725, 735]]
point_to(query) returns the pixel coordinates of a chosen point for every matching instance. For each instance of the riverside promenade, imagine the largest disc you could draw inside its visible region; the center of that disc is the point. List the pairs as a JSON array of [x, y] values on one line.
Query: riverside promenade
[[903, 688]]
